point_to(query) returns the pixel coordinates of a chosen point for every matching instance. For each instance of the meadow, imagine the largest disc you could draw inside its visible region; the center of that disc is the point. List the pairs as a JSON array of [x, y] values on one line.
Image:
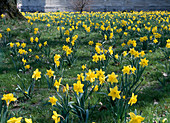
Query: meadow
[[92, 67]]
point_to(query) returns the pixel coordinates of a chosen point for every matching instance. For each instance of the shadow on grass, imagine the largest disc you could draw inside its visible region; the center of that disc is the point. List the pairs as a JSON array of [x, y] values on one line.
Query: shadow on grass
[[153, 93]]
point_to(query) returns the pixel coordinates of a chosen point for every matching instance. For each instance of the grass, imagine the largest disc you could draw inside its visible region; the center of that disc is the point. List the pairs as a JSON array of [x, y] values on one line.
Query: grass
[[153, 99]]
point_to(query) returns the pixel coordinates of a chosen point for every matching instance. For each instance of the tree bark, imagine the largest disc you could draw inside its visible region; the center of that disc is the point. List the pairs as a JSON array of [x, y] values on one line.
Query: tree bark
[[9, 8]]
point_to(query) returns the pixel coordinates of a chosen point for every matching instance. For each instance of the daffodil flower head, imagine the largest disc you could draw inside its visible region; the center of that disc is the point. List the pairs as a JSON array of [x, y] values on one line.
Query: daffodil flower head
[[135, 118], [52, 100], [36, 74], [114, 93], [9, 98]]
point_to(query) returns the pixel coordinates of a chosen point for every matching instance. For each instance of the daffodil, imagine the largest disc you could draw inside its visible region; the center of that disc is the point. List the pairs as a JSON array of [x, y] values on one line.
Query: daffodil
[[14, 120], [68, 51], [132, 51], [18, 44], [68, 39], [52, 100], [133, 69], [50, 73], [56, 117], [8, 29], [95, 88], [45, 43], [102, 57], [23, 45], [57, 57], [133, 99], [32, 39], [78, 87], [0, 35], [36, 74], [80, 77], [91, 42], [11, 45], [83, 66], [36, 39], [114, 93], [126, 69], [124, 53], [28, 120], [27, 66], [155, 41], [112, 78], [95, 58], [57, 84], [142, 53], [110, 50], [116, 56], [90, 76], [144, 62], [135, 118], [30, 50], [123, 44], [37, 57], [100, 73], [2, 15], [24, 61], [40, 45], [102, 79], [9, 98]]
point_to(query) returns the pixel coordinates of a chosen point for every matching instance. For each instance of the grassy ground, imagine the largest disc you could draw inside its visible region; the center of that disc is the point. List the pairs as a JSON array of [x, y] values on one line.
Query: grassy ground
[[153, 99]]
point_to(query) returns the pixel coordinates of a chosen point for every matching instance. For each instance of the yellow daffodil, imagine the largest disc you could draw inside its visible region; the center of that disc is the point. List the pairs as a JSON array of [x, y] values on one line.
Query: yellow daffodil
[[57, 84], [100, 73], [91, 42], [112, 78], [57, 57], [155, 41], [14, 120], [56, 117], [135, 118], [18, 44], [0, 35], [28, 120], [2, 15], [90, 76], [8, 29], [40, 45], [133, 99], [32, 39], [23, 45], [45, 43], [95, 58], [114, 93], [126, 69], [11, 45], [27, 67], [80, 77], [116, 56], [83, 66], [142, 53], [53, 100], [37, 57], [24, 61], [144, 62], [78, 87], [36, 74], [95, 88], [50, 73], [36, 39], [9, 98]]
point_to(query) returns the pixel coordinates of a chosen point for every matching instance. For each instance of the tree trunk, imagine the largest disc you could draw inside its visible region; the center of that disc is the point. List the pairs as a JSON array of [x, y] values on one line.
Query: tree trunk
[[9, 8]]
